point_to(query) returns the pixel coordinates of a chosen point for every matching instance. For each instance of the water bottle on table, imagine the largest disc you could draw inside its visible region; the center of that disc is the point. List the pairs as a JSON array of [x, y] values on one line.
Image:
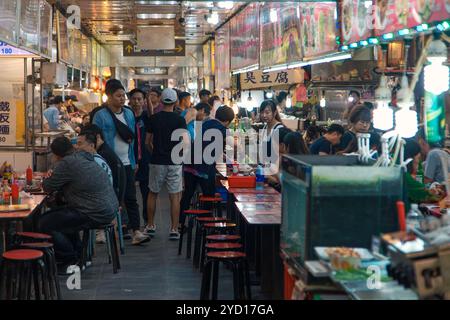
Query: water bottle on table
[[259, 178]]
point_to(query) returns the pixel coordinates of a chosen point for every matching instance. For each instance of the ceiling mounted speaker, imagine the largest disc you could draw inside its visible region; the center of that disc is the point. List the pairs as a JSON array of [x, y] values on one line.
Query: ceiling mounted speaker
[[156, 38]]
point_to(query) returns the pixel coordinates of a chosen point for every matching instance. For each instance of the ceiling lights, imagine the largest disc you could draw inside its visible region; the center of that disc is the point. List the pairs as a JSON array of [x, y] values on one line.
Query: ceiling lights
[[225, 5], [157, 3], [157, 16], [213, 18]]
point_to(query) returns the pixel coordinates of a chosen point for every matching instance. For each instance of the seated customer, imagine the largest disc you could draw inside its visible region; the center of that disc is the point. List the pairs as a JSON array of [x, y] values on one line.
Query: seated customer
[[437, 160], [360, 122], [89, 195], [326, 144]]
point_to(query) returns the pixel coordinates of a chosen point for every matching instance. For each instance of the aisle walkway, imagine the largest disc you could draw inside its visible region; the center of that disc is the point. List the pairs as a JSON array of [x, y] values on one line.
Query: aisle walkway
[[151, 271]]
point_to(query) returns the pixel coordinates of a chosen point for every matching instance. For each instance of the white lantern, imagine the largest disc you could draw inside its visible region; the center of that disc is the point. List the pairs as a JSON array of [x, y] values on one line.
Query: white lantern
[[406, 122], [383, 115], [436, 74]]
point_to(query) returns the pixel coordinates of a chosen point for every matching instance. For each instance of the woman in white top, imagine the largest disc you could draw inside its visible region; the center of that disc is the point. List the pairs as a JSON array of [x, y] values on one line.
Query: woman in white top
[[270, 116]]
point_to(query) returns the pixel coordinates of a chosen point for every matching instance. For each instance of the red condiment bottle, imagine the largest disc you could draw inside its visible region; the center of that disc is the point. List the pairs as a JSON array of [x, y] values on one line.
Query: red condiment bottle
[[29, 176], [15, 193]]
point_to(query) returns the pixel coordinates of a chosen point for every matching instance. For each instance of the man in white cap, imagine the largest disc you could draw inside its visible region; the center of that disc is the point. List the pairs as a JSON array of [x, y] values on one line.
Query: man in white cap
[[162, 168]]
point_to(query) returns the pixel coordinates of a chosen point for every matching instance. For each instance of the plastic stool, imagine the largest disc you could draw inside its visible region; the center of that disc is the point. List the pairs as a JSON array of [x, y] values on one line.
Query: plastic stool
[[190, 214], [198, 235]]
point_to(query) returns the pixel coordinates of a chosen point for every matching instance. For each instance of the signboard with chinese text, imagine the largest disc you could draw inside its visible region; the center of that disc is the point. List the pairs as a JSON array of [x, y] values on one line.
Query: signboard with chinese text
[[244, 37], [318, 22], [222, 58], [354, 20], [394, 15], [280, 33], [258, 79], [8, 18]]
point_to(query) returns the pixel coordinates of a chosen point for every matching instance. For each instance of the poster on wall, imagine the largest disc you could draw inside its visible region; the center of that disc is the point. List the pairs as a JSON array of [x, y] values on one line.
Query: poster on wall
[[8, 18], [280, 33], [318, 21], [394, 15], [244, 38], [29, 24], [354, 20], [46, 28], [222, 54]]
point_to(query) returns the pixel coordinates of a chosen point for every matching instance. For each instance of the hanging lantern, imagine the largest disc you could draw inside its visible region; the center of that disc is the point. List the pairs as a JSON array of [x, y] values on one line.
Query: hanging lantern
[[436, 74], [383, 115], [406, 124]]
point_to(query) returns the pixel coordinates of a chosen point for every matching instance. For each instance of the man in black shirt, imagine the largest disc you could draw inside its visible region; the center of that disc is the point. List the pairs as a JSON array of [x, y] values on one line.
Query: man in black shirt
[[324, 146], [163, 170]]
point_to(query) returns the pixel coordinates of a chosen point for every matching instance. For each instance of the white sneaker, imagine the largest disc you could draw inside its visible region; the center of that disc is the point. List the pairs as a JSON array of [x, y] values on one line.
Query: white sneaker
[[174, 235], [100, 237], [150, 230], [139, 238]]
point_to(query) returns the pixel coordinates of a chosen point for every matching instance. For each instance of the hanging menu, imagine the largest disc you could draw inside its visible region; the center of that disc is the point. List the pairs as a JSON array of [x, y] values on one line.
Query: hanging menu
[[46, 28], [354, 20], [318, 22], [8, 18], [244, 38], [29, 24], [394, 15], [222, 54], [280, 33]]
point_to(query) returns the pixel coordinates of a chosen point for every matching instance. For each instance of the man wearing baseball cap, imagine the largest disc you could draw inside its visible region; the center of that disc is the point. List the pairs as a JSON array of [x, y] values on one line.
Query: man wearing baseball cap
[[162, 169]]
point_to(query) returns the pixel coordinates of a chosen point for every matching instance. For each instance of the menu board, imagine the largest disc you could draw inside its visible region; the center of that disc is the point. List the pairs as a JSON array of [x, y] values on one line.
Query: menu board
[[280, 40], [394, 15], [354, 20], [222, 53], [29, 24], [8, 18], [244, 38], [318, 20], [46, 28], [63, 37]]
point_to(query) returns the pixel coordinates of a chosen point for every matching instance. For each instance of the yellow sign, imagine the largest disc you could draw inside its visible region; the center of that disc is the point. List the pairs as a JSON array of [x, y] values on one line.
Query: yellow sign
[[258, 79]]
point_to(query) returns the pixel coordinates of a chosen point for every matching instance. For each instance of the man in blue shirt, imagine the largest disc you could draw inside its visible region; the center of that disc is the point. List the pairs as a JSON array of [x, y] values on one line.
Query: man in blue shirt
[[52, 113], [118, 125]]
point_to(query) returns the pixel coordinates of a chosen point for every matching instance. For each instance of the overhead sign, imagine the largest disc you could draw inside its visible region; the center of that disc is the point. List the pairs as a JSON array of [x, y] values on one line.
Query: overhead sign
[[9, 51], [258, 79], [131, 50]]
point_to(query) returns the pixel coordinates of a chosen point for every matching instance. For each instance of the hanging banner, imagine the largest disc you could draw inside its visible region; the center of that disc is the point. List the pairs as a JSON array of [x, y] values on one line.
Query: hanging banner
[[355, 20], [222, 53], [258, 79], [280, 31], [8, 20], [435, 117], [244, 38], [318, 22], [207, 59], [394, 15]]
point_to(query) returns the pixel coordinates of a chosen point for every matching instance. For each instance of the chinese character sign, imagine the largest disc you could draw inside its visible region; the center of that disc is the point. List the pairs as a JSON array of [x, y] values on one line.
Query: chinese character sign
[[258, 79], [7, 122]]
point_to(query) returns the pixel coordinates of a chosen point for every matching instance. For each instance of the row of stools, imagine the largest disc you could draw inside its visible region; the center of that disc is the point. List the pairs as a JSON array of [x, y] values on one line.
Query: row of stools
[[216, 241], [29, 270]]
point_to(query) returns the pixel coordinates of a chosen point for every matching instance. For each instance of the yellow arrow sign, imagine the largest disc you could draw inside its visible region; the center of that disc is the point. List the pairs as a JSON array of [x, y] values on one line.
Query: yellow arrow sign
[[129, 48], [179, 49]]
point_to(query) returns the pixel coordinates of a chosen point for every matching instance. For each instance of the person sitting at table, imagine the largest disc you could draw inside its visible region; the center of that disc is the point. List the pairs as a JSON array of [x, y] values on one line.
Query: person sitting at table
[[326, 144], [89, 196]]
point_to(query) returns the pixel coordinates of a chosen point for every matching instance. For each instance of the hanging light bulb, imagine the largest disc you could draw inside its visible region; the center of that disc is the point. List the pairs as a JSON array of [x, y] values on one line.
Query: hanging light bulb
[[250, 102], [273, 15], [383, 115], [288, 101], [436, 74], [213, 18], [227, 5], [406, 123], [104, 98], [323, 102], [268, 94]]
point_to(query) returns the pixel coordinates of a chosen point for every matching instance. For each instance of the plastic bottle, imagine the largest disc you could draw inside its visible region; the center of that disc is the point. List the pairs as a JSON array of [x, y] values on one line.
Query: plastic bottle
[[259, 178], [15, 193], [235, 168], [413, 218], [29, 176], [419, 173]]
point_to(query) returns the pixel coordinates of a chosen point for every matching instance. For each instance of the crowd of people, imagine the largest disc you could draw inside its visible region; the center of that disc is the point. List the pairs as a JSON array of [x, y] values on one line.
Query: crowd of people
[[125, 145]]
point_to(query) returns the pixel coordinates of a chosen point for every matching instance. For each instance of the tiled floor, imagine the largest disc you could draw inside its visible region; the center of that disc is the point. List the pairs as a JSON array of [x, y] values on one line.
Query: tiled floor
[[151, 271]]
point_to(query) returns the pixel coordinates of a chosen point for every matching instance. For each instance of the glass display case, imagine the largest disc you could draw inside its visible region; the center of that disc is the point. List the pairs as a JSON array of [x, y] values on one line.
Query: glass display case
[[335, 201]]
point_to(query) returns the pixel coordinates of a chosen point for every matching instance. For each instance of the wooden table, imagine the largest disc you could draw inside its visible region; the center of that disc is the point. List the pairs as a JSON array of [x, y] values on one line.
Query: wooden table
[[259, 197], [6, 218]]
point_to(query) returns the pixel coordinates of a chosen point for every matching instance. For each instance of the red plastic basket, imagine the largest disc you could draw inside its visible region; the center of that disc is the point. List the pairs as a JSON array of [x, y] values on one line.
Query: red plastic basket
[[242, 181]]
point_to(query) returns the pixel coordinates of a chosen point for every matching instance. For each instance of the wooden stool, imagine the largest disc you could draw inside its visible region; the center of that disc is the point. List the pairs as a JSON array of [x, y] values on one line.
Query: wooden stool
[[19, 270], [190, 214], [241, 277]]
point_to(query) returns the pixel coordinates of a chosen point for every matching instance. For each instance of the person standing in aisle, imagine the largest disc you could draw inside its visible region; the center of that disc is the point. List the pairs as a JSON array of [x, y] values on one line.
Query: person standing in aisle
[[203, 112], [154, 101], [204, 95], [214, 102], [162, 168], [118, 125], [184, 99], [142, 154]]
